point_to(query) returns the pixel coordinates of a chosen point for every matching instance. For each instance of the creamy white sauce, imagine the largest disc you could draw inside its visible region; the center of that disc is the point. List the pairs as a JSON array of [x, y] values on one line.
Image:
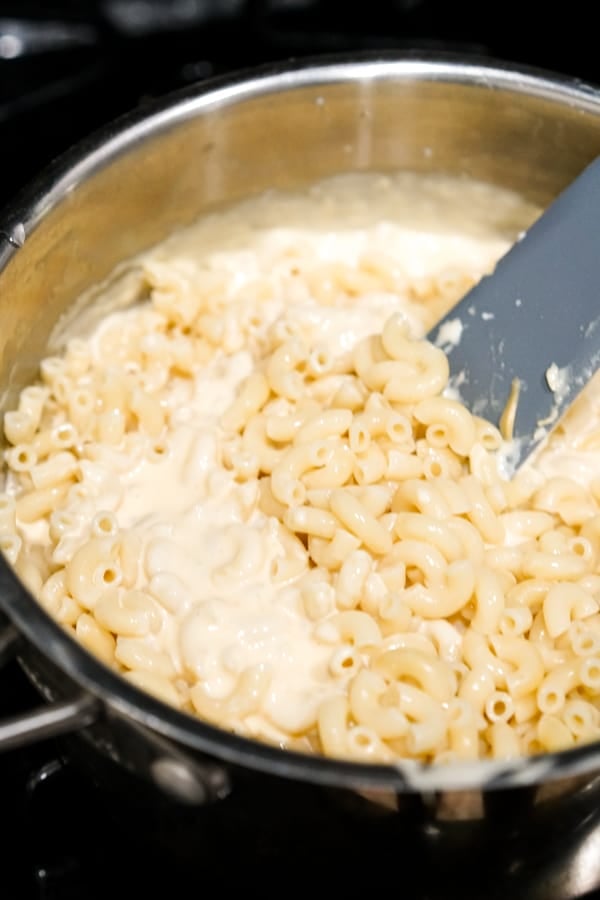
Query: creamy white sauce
[[205, 548]]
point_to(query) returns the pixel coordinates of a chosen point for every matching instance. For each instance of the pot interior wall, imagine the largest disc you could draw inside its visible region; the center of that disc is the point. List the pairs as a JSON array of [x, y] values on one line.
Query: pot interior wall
[[128, 192]]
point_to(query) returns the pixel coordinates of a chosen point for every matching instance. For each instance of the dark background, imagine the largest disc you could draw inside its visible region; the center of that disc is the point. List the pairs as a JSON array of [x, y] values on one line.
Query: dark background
[[67, 68]]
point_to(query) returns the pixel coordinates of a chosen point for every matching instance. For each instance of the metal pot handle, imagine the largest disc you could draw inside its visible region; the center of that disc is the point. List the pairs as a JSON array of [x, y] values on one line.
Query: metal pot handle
[[179, 776], [49, 719]]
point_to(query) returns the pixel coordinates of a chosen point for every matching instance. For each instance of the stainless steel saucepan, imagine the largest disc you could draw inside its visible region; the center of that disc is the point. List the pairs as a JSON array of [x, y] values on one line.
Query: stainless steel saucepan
[[159, 168]]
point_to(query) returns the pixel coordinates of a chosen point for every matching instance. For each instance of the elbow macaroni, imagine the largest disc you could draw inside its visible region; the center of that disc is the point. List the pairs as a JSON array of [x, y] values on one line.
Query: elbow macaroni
[[269, 511]]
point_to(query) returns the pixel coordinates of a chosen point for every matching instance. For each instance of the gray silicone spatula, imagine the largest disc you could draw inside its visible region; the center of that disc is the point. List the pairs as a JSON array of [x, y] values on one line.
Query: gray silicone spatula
[[535, 318]]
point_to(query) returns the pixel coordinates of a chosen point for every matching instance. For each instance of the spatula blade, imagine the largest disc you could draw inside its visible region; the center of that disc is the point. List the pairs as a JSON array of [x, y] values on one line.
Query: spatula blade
[[535, 318]]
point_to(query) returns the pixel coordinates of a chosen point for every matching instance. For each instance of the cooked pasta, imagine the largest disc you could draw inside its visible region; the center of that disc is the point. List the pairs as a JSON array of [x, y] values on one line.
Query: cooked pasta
[[255, 495]]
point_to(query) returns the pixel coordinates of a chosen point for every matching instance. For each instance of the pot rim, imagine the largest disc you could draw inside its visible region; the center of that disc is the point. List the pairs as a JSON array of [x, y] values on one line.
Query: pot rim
[[60, 178]]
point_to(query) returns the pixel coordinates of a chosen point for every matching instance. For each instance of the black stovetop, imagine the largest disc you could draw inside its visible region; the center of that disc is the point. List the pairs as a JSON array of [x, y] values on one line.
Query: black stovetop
[[66, 68]]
